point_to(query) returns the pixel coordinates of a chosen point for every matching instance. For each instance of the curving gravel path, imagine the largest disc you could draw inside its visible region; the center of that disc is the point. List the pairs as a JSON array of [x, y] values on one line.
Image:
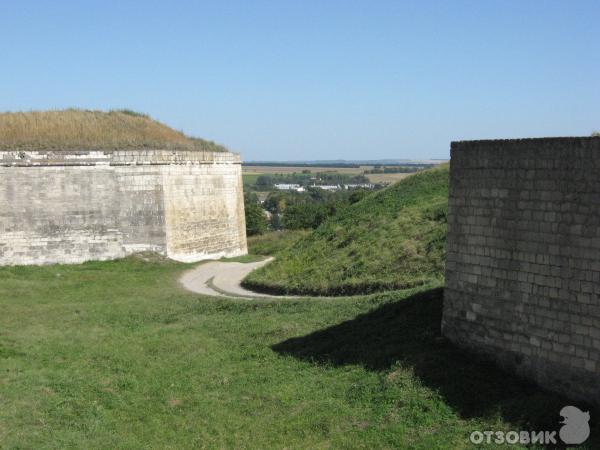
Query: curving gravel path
[[222, 279]]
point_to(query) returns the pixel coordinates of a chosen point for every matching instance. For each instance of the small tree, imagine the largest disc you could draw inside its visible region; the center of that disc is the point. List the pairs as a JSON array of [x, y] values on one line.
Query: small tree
[[357, 195], [596, 133], [256, 221], [304, 216], [264, 181], [276, 222]]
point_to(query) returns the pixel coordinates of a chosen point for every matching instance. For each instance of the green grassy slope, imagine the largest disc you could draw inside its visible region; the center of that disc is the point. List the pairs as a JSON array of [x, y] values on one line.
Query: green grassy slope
[[274, 242], [115, 355], [392, 239]]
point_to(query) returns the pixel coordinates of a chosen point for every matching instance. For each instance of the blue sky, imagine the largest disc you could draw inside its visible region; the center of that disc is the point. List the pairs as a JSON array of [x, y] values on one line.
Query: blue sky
[[285, 80]]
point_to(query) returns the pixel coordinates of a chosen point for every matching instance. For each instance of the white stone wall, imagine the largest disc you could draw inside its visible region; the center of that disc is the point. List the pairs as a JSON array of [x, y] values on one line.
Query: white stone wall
[[204, 210], [71, 207]]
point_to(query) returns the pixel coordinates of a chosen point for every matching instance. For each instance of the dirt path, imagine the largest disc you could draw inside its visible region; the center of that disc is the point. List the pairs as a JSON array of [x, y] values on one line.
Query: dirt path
[[222, 279]]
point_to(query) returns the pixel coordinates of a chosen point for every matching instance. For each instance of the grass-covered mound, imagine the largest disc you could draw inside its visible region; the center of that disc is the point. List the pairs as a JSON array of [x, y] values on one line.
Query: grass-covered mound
[[75, 129], [392, 239]]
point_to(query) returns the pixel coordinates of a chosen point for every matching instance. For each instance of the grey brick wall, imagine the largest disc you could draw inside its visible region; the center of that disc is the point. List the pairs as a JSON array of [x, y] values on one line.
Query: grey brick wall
[[523, 258], [70, 207]]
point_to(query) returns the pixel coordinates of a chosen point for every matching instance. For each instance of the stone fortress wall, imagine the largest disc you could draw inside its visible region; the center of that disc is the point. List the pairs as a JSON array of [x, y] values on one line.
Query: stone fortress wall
[[71, 207], [523, 258]]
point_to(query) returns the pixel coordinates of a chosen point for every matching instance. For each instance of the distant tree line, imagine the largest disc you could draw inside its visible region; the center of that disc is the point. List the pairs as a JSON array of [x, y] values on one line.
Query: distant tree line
[[294, 210], [306, 178], [394, 169], [325, 165]]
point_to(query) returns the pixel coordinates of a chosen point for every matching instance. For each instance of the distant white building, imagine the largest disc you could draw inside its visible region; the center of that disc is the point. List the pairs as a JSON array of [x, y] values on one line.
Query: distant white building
[[360, 185], [327, 187], [289, 187]]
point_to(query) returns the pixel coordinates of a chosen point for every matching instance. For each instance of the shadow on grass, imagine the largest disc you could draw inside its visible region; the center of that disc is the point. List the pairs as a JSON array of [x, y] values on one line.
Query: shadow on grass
[[408, 332]]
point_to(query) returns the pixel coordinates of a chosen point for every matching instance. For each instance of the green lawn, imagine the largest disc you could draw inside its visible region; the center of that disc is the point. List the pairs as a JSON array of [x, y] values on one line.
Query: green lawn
[[117, 355]]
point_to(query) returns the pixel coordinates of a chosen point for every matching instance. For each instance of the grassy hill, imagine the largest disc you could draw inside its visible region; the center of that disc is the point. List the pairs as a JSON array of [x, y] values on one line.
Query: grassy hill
[[75, 129], [392, 239]]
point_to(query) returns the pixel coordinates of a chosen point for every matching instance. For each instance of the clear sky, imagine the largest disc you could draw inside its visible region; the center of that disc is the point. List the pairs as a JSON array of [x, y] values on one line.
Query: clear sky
[[285, 80]]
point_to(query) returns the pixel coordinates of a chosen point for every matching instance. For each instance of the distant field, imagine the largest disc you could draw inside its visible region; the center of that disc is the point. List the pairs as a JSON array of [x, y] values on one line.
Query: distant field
[[250, 178], [251, 173], [386, 178], [292, 169]]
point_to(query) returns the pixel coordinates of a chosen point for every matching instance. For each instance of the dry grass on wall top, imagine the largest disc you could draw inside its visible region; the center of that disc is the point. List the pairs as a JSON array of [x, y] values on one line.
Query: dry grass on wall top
[[75, 129]]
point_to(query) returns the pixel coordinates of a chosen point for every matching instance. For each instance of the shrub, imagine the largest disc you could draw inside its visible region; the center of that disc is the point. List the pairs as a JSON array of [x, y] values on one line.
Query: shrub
[[256, 220]]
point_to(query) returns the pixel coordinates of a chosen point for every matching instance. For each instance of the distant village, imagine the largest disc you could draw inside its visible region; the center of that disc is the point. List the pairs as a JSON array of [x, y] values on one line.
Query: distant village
[[326, 187]]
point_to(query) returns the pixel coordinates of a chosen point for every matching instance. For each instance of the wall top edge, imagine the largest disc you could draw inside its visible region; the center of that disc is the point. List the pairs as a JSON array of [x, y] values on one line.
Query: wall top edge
[[114, 157], [582, 141]]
